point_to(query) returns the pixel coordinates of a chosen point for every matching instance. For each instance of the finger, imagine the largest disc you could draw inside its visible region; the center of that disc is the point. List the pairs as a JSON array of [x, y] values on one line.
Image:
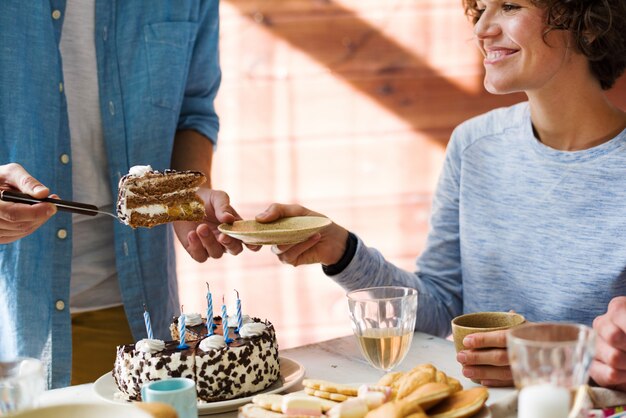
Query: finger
[[492, 357], [280, 249], [15, 175], [209, 241], [486, 339], [608, 331], [607, 376], [488, 373], [610, 355], [221, 205], [254, 247], [195, 248], [276, 211], [232, 245], [23, 213], [496, 383], [296, 255]]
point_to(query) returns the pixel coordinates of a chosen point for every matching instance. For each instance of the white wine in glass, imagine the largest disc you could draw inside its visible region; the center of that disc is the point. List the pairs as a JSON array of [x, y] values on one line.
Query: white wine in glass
[[383, 319], [384, 348]]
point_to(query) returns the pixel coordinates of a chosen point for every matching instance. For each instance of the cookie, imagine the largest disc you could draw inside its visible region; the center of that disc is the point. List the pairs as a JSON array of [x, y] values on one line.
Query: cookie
[[430, 394], [396, 409], [255, 411], [389, 379], [297, 404], [274, 402], [460, 404], [331, 387], [413, 380], [352, 408], [270, 402], [327, 395]]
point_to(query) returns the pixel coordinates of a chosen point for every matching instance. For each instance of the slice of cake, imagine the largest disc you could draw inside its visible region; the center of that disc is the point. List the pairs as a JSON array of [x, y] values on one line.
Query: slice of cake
[[222, 371], [148, 197]]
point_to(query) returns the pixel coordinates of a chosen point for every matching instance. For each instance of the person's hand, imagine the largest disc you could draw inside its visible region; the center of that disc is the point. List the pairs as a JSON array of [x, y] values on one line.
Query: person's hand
[[326, 247], [203, 240], [608, 368], [486, 359], [18, 220]]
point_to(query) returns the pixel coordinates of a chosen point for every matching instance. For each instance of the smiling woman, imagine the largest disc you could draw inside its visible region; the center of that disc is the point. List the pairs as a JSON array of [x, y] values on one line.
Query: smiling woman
[[530, 202]]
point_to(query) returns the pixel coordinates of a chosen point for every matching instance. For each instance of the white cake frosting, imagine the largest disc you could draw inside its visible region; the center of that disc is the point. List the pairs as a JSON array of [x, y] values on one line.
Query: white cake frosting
[[150, 345]]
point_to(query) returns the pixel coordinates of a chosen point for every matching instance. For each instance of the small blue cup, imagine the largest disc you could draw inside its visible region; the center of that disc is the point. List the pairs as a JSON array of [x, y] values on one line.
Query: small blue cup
[[180, 392]]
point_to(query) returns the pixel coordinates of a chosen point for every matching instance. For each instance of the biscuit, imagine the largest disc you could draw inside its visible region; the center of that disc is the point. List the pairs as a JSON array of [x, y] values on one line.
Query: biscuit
[[414, 380], [396, 409], [270, 402], [454, 384], [273, 402], [352, 408], [429, 394], [327, 395], [389, 379], [255, 411], [331, 387], [460, 404]]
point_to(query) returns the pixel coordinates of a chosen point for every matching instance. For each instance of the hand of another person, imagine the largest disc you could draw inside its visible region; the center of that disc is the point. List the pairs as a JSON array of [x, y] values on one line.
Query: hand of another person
[[326, 247], [608, 368], [203, 240], [18, 220], [486, 360]]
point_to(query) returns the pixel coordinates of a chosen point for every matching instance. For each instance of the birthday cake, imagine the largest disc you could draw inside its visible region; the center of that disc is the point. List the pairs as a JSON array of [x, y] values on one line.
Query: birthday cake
[[222, 370], [148, 197]]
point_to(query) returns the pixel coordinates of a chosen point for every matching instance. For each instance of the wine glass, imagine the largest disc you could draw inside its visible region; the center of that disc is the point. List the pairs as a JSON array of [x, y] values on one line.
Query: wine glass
[[383, 320]]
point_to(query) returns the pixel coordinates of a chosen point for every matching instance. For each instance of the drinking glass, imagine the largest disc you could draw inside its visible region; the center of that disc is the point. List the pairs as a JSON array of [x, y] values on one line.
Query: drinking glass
[[549, 361], [383, 320], [21, 384]]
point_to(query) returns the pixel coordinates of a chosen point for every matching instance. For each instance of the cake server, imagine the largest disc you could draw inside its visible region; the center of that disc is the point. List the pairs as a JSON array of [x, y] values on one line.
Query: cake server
[[63, 205]]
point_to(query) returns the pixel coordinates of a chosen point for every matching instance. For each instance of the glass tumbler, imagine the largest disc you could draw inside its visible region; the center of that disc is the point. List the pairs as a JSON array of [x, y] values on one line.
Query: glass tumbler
[[549, 361], [21, 384], [383, 320]]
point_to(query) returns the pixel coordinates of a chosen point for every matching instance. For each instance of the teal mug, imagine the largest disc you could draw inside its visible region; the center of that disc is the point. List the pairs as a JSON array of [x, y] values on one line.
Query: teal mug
[[179, 392]]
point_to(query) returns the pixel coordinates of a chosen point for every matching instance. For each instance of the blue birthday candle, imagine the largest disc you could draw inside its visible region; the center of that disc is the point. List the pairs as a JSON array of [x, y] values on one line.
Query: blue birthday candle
[[146, 319], [209, 311], [182, 330], [239, 316], [225, 322]]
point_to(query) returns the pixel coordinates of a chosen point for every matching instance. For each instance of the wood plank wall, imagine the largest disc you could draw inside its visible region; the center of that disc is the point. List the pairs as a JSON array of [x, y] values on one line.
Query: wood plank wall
[[344, 107]]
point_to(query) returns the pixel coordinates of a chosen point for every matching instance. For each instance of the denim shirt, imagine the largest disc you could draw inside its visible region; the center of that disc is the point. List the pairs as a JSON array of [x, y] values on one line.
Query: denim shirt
[[158, 72]]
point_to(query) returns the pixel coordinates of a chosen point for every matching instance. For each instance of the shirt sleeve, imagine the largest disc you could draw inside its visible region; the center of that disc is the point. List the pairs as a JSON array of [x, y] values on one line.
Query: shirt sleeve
[[204, 77], [438, 278]]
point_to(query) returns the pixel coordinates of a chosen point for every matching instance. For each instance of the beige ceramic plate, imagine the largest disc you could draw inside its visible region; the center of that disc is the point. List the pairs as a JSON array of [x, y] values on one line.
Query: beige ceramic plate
[[284, 231]]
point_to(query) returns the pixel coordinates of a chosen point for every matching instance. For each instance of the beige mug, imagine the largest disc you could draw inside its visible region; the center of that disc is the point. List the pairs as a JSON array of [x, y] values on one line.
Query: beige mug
[[471, 323]]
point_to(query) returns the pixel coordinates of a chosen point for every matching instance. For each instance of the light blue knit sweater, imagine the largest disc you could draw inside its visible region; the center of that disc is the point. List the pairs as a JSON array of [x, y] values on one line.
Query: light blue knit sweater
[[515, 225]]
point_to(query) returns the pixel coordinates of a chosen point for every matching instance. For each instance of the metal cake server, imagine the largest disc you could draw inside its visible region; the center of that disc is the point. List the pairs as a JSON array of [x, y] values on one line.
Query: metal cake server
[[63, 205]]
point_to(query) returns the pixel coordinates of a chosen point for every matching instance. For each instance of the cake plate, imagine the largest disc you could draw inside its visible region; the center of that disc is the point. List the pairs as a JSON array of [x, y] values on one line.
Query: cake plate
[[291, 373]]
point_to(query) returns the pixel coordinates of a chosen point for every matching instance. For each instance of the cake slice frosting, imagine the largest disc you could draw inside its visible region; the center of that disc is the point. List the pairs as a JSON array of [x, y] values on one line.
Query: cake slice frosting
[[149, 197]]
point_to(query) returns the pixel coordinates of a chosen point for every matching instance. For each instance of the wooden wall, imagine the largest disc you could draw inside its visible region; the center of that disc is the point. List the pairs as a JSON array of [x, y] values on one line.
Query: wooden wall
[[344, 107]]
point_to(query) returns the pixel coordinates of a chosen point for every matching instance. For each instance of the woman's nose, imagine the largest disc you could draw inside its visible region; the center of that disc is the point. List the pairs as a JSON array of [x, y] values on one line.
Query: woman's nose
[[486, 26]]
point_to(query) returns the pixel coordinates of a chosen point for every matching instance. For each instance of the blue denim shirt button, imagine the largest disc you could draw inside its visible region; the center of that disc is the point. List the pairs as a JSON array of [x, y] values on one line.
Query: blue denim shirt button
[[64, 158], [59, 305], [62, 233], [60, 87], [56, 14]]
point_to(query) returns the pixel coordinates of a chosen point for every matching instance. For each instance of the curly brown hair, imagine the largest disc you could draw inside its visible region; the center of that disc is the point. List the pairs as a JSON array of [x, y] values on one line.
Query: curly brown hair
[[597, 26]]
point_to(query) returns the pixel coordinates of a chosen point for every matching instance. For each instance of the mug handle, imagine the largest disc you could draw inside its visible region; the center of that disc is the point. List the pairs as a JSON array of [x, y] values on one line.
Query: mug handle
[[143, 393]]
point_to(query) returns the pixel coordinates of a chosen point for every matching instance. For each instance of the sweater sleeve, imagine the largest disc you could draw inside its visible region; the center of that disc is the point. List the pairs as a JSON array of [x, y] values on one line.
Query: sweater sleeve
[[437, 278]]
